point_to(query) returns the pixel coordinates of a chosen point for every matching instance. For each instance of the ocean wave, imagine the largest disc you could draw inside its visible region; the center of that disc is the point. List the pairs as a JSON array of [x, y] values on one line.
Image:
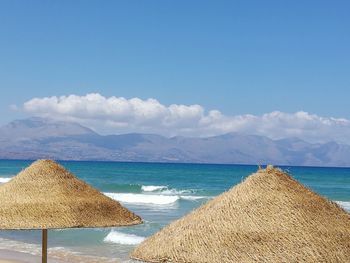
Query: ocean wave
[[193, 197], [176, 192], [148, 189], [122, 238], [152, 188], [143, 198], [152, 199], [344, 204], [159, 195], [5, 179]]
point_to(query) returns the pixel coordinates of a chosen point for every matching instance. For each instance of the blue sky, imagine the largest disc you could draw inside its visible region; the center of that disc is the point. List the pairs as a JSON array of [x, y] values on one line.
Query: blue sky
[[239, 57]]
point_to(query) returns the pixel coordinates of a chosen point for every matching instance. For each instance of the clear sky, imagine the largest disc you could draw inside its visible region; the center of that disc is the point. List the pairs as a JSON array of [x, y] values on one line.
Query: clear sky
[[238, 57]]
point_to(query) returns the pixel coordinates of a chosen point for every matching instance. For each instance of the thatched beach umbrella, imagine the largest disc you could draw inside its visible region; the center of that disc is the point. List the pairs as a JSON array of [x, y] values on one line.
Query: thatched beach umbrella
[[269, 217], [46, 196]]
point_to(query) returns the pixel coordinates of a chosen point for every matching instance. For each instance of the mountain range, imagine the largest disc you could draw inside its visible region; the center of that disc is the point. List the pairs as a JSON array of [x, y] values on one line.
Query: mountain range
[[36, 138]]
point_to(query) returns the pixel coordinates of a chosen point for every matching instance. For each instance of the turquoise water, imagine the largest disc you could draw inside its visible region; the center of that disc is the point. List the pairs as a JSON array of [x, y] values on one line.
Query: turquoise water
[[159, 193]]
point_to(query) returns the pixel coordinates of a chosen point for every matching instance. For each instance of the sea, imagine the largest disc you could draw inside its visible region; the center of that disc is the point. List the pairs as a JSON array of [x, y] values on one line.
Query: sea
[[158, 192]]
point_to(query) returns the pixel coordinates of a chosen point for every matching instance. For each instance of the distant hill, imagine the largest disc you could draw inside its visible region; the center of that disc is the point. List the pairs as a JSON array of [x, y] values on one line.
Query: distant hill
[[35, 138], [35, 127]]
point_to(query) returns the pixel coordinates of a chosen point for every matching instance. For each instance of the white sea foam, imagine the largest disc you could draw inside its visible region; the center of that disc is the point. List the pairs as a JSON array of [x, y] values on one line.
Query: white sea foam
[[193, 197], [152, 188], [5, 180], [164, 190], [176, 192], [344, 204], [122, 238], [143, 198]]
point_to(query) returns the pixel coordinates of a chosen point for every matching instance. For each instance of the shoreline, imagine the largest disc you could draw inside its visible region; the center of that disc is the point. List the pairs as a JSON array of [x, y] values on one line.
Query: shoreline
[[10, 256], [15, 256]]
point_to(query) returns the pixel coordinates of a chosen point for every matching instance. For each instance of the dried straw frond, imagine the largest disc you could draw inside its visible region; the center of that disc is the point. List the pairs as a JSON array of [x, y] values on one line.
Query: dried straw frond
[[269, 217], [45, 196]]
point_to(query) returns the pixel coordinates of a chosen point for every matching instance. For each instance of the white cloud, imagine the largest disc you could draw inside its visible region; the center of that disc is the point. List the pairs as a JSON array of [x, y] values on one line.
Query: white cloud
[[120, 115]]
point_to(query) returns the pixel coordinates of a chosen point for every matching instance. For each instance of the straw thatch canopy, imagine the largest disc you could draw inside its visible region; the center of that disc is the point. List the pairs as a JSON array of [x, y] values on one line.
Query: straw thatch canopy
[[45, 196], [269, 217]]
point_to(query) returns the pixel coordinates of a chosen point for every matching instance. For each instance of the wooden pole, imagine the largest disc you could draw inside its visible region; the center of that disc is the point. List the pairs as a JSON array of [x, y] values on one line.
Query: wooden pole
[[44, 246]]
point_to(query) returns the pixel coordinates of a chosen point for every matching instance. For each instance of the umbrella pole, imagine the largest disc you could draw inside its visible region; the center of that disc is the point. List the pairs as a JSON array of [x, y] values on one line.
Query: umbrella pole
[[44, 246]]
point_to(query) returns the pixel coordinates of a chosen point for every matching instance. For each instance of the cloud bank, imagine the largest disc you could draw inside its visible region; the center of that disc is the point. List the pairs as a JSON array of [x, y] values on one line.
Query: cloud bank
[[121, 115]]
